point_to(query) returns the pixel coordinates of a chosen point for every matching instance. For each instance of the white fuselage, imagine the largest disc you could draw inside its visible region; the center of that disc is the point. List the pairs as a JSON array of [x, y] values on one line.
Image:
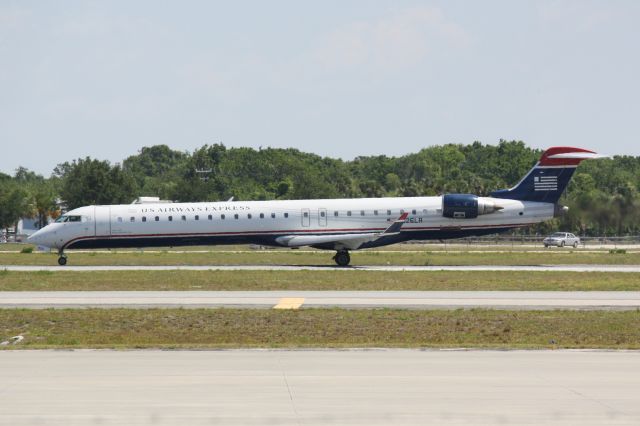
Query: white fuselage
[[264, 222]]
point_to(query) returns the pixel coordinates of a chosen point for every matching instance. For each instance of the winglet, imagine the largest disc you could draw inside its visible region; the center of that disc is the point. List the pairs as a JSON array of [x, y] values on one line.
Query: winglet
[[397, 224]]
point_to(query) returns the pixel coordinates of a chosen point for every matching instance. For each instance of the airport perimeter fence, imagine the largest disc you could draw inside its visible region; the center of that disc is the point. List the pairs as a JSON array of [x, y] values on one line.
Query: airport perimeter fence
[[523, 240], [497, 239]]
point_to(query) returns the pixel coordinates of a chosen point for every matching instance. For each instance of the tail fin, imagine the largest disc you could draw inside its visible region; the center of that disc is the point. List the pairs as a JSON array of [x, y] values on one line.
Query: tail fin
[[547, 180]]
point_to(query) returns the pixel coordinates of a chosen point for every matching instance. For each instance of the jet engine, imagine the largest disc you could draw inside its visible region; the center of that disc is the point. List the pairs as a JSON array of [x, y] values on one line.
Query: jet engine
[[467, 206]]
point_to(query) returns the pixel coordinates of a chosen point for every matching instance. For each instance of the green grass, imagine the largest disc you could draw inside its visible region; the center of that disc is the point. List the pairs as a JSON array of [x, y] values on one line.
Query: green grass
[[316, 280], [310, 257], [310, 328]]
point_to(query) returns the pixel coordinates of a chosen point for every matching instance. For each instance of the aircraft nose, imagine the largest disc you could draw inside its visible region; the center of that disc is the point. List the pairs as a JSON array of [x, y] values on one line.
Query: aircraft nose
[[38, 238], [34, 238]]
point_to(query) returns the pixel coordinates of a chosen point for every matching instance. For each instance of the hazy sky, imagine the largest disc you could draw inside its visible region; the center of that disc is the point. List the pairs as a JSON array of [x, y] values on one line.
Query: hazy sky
[[336, 78]]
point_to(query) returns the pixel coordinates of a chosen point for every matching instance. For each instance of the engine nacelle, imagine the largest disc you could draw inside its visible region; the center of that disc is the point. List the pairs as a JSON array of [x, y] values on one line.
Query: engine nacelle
[[467, 206]]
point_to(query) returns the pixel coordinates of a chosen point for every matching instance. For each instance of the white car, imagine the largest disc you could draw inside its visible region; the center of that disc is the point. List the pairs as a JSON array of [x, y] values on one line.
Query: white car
[[561, 239]]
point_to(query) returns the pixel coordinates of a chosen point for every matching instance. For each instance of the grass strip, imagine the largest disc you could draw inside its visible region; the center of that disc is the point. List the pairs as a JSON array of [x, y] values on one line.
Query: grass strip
[[293, 257], [317, 280], [313, 328]]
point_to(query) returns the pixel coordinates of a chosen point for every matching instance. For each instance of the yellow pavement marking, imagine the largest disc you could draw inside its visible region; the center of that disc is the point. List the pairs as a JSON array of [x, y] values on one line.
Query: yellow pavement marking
[[289, 303]]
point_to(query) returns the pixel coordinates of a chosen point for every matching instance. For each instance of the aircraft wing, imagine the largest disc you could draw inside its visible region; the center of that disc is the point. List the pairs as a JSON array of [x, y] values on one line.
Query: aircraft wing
[[348, 241]]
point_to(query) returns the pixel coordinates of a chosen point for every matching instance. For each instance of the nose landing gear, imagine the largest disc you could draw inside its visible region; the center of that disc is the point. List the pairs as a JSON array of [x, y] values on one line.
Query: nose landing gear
[[342, 258], [62, 259]]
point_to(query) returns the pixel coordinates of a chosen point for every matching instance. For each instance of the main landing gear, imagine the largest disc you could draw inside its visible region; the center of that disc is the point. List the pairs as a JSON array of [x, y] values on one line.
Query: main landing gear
[[62, 259], [342, 258]]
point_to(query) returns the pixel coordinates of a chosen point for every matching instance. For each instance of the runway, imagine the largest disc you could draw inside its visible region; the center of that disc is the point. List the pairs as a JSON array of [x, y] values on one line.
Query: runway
[[292, 299], [389, 268], [347, 387]]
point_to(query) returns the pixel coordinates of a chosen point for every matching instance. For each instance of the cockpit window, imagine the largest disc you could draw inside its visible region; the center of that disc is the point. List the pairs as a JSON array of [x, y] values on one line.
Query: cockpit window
[[65, 218]]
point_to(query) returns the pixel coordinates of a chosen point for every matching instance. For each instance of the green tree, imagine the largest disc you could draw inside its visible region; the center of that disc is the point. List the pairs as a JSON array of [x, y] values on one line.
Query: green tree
[[90, 182]]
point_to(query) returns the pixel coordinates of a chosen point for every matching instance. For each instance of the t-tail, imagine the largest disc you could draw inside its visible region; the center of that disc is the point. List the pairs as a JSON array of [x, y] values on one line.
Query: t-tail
[[547, 180]]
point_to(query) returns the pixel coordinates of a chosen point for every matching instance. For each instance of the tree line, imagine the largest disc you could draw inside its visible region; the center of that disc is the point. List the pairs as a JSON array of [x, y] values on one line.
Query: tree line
[[603, 196]]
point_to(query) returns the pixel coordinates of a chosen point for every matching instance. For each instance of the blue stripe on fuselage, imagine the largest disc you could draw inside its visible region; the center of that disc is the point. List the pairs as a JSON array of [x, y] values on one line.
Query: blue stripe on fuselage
[[270, 240]]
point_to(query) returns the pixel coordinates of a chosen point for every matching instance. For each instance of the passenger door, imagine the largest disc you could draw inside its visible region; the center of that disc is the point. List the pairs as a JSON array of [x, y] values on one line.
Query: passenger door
[[102, 216]]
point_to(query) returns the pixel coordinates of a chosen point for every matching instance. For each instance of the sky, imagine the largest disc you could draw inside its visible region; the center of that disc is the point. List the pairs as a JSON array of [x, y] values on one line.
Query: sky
[[337, 78]]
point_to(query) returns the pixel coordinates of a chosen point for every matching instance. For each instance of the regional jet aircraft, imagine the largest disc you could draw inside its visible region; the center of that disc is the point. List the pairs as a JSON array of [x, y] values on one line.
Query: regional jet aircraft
[[332, 224]]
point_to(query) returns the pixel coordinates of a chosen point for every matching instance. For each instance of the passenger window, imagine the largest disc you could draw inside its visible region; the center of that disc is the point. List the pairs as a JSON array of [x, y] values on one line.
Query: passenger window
[[235, 216], [210, 217], [273, 215], [321, 214], [261, 215], [157, 218], [361, 212], [144, 218], [119, 219], [348, 212], [196, 217], [184, 218], [375, 212], [170, 218], [132, 219], [222, 216], [335, 213], [413, 211], [248, 215], [388, 212], [286, 215], [306, 214]]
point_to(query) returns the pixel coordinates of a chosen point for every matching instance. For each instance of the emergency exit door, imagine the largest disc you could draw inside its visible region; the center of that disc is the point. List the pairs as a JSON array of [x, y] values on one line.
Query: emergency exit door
[[306, 217], [322, 217]]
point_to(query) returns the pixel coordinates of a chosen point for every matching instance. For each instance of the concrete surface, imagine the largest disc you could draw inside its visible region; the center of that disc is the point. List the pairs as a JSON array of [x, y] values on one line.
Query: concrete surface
[[321, 387], [345, 299], [557, 268]]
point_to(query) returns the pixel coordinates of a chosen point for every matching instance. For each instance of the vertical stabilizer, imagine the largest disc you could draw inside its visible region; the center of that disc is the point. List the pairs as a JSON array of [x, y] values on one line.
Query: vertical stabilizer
[[548, 179]]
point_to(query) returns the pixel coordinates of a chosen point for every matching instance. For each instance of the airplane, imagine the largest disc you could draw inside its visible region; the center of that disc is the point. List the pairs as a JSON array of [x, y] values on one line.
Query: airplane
[[331, 224]]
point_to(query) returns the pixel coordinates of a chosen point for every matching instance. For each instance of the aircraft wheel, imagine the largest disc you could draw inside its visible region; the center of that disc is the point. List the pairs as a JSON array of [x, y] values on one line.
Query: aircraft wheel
[[62, 260], [342, 258]]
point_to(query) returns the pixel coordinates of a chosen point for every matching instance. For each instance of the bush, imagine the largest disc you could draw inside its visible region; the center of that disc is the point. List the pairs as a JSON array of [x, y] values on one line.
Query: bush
[[617, 251], [26, 250]]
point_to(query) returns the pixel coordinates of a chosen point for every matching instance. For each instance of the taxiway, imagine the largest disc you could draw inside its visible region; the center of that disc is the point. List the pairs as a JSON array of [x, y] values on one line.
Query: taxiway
[[294, 299]]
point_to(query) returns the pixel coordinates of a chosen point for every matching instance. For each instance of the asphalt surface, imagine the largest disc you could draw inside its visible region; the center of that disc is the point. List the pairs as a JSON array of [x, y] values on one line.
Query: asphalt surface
[[543, 268], [321, 387], [345, 299]]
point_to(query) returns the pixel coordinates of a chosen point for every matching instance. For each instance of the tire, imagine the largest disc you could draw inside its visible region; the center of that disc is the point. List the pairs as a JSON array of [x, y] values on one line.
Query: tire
[[561, 243], [62, 260], [546, 246], [575, 244], [342, 258]]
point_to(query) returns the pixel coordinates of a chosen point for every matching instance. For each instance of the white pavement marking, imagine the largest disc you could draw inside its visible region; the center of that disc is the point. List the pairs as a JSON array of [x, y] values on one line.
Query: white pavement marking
[[344, 299], [394, 268], [319, 387]]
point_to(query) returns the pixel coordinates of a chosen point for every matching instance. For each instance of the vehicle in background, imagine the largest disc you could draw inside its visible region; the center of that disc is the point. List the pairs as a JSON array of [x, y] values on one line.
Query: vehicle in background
[[561, 239]]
